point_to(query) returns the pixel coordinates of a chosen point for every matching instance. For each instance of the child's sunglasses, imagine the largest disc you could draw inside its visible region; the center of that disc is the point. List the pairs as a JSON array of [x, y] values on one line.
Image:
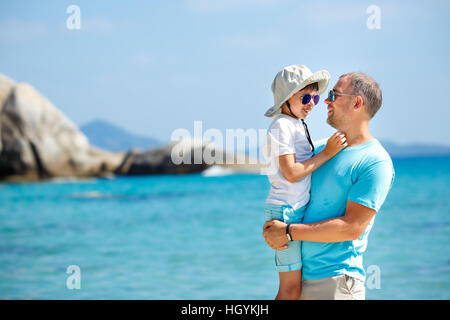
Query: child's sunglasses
[[307, 98]]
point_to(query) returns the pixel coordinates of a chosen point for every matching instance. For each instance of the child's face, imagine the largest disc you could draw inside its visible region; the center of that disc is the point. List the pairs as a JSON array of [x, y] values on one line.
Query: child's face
[[299, 109]]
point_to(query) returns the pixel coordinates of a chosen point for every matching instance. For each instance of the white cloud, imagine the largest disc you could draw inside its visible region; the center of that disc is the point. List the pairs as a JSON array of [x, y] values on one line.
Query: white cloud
[[254, 41], [213, 6], [17, 31], [106, 80], [97, 24], [143, 59], [331, 13]]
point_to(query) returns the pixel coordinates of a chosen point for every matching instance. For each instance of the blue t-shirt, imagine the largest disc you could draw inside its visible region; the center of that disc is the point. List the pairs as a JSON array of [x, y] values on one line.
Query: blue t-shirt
[[362, 174]]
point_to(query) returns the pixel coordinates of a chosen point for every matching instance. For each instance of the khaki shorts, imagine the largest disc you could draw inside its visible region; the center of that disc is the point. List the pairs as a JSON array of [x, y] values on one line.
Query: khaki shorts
[[340, 287]]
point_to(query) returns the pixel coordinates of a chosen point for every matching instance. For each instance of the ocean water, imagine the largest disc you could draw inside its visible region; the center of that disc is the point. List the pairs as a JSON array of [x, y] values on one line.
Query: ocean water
[[200, 237]]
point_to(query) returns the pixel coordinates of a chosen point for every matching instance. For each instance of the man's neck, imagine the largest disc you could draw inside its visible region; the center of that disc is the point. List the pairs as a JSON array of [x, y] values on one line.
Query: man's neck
[[357, 134]]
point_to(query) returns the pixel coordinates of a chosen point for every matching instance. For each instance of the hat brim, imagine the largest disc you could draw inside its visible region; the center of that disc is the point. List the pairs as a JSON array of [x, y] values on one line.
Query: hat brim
[[322, 77]]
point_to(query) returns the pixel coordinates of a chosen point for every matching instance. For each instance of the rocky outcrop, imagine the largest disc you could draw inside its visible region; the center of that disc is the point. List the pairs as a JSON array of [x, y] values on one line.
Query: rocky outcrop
[[184, 156], [6, 86], [38, 141], [157, 161]]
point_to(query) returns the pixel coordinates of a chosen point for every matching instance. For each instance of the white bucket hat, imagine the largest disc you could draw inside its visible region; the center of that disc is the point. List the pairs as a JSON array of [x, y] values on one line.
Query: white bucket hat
[[292, 79]]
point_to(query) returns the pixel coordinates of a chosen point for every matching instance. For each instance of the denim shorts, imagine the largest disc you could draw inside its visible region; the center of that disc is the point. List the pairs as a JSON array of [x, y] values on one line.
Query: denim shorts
[[289, 259]]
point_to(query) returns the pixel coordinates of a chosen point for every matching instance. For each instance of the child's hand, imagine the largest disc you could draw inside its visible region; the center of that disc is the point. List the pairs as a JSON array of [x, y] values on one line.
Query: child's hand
[[335, 143]]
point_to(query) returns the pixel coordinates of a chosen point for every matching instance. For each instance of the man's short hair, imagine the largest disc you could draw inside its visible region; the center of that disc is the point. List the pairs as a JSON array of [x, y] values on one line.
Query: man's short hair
[[364, 86]]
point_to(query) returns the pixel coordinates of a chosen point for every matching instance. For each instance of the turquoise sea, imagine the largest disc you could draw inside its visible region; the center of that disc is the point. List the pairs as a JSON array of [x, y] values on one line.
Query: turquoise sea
[[197, 237]]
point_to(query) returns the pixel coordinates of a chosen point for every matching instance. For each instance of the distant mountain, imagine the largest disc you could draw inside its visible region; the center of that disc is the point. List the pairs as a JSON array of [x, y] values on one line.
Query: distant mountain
[[415, 150], [114, 138]]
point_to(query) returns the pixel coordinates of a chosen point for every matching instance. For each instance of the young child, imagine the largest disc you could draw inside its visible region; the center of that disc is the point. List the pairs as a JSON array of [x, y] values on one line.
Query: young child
[[290, 149]]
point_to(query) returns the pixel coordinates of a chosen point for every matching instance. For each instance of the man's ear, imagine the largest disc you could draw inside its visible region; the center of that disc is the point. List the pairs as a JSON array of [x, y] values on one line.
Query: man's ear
[[358, 102]]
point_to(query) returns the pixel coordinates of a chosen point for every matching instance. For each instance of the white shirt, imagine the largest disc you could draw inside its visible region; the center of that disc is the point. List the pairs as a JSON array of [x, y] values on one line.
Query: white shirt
[[286, 135]]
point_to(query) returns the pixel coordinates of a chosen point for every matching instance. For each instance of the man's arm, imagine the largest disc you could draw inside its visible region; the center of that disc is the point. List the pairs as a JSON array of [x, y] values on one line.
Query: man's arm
[[348, 227]]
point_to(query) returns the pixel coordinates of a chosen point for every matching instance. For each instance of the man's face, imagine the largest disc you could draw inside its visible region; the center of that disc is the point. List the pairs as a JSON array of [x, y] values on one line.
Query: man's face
[[339, 111]]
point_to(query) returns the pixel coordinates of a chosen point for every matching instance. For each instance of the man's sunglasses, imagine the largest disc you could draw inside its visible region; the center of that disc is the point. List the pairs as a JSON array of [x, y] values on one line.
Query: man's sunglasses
[[332, 95], [307, 98]]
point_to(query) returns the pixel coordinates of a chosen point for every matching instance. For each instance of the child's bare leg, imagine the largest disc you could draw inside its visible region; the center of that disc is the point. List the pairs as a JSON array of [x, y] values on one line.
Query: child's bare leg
[[290, 285]]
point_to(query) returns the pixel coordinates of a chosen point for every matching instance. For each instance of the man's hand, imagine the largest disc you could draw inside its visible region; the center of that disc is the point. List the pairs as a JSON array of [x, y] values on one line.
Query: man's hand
[[275, 233]]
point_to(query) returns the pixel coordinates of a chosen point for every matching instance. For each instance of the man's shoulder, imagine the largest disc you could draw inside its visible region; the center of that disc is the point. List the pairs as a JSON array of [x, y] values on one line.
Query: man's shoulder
[[375, 160], [377, 153]]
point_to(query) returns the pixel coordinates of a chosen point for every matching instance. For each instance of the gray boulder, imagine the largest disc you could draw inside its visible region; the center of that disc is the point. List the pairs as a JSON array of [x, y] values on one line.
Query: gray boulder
[[38, 141], [6, 86], [185, 156]]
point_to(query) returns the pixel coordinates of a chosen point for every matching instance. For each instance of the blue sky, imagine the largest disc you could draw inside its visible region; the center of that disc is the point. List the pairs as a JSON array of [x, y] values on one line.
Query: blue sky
[[155, 66]]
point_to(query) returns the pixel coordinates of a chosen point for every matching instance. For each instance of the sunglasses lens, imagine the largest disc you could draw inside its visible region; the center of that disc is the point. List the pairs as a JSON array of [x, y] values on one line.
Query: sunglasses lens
[[316, 99], [331, 95], [306, 99]]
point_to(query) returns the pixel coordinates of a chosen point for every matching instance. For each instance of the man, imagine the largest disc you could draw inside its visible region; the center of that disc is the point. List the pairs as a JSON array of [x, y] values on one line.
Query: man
[[346, 193]]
